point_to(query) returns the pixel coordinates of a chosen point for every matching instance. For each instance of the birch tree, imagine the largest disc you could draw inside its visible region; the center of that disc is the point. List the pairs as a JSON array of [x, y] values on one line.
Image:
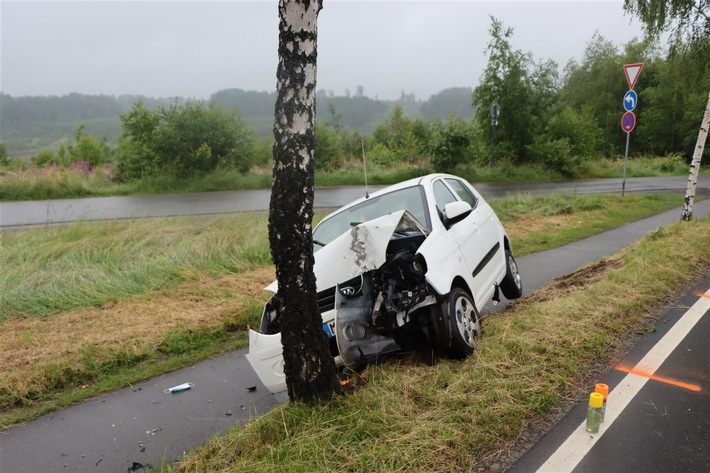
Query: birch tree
[[695, 166], [308, 364]]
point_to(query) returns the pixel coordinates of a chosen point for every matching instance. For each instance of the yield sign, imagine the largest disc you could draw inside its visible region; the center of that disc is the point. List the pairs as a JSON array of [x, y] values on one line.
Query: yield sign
[[632, 72]]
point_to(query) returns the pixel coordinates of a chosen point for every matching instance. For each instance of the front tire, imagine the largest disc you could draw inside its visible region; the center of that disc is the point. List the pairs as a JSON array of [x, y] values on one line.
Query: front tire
[[512, 284], [464, 324]]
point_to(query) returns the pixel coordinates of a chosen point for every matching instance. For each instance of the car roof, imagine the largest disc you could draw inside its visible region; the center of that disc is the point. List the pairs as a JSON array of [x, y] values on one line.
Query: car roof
[[400, 185]]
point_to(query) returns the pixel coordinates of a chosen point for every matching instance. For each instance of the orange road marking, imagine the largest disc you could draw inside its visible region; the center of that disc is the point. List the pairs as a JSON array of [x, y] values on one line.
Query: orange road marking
[[671, 381], [700, 294]]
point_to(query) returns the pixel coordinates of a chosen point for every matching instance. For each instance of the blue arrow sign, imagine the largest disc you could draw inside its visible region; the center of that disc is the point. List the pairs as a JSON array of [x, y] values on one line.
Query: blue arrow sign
[[630, 101]]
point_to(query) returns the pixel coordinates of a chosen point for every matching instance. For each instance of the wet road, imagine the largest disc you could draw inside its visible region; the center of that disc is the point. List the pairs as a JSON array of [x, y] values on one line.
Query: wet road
[[14, 214]]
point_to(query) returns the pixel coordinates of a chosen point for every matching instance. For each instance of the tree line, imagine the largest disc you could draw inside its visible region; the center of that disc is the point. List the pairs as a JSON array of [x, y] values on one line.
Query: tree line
[[552, 118]]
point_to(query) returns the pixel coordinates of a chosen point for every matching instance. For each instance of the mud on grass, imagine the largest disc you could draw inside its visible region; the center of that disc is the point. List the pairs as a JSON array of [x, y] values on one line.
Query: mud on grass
[[42, 357]]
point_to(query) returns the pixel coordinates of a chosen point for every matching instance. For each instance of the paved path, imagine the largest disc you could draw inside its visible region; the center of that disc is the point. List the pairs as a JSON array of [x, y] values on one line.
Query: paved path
[[148, 426]]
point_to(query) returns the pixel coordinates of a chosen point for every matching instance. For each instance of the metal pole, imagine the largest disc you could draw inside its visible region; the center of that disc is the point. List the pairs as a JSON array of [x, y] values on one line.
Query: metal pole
[[626, 158], [493, 142]]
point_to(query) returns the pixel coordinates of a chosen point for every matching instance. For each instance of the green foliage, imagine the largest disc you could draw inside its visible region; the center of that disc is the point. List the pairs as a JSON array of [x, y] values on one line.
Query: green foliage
[[450, 143], [684, 19], [182, 140], [579, 128], [404, 138], [525, 92], [4, 161], [554, 154], [329, 149], [89, 150]]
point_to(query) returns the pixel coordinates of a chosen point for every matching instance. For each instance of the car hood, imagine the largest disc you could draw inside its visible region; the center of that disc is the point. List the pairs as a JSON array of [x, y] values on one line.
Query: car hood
[[362, 249]]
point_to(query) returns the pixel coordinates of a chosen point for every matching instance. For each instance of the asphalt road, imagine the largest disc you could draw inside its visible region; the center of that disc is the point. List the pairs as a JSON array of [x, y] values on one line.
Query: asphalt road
[[42, 212], [146, 425], [658, 415]]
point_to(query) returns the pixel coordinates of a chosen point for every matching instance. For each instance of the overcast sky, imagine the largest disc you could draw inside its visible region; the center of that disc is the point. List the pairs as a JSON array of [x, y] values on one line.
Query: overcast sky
[[196, 48]]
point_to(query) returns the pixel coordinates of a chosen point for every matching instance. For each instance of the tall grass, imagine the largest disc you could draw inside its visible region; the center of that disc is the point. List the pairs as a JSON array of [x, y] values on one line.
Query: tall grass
[[87, 264]]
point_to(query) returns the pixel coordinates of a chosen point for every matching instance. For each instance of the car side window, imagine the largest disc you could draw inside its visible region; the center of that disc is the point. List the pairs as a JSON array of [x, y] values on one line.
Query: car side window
[[462, 191], [442, 196]]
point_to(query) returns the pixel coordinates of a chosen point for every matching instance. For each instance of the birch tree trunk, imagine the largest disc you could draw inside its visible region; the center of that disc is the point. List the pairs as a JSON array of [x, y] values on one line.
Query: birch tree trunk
[[687, 214], [308, 364]]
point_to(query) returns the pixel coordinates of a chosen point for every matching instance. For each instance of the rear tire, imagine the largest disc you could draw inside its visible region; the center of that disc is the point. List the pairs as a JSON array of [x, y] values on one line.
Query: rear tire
[[464, 324], [512, 284]]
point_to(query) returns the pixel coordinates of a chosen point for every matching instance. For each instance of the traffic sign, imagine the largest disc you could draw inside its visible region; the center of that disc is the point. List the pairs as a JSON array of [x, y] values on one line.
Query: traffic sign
[[495, 110], [630, 101], [628, 122], [632, 72]]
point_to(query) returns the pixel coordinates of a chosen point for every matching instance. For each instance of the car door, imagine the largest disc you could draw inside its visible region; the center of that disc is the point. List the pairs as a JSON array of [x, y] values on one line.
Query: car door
[[476, 235]]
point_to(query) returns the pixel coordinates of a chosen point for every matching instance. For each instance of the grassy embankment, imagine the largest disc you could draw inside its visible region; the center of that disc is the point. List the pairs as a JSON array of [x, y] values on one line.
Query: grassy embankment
[[460, 416], [55, 183], [91, 307]]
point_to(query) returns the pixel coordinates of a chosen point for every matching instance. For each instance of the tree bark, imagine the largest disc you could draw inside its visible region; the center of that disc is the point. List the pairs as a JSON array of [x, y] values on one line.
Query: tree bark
[[308, 364], [687, 214]]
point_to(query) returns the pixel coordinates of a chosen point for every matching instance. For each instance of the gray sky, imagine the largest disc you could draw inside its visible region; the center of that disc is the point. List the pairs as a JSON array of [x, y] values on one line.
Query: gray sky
[[193, 49]]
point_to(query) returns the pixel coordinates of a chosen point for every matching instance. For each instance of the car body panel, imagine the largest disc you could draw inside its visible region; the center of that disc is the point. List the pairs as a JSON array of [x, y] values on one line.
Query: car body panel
[[369, 300]]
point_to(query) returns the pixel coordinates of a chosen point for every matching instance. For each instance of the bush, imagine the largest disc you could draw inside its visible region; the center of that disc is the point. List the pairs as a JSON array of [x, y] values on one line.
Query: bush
[[554, 154], [450, 143], [89, 150], [182, 140]]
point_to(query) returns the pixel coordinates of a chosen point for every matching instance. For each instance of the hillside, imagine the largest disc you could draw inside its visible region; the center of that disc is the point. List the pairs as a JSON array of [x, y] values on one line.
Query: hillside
[[28, 124]]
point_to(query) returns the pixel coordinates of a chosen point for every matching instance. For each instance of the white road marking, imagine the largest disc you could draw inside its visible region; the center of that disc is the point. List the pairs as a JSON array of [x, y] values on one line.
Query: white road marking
[[572, 451]]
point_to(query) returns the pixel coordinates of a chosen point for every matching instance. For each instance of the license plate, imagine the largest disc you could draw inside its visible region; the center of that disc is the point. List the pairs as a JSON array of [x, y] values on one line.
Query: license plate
[[329, 328]]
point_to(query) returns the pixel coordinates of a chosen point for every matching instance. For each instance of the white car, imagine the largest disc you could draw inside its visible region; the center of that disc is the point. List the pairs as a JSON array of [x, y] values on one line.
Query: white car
[[408, 266]]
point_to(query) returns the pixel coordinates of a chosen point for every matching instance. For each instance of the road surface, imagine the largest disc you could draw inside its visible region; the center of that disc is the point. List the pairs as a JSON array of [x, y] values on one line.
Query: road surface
[[43, 212]]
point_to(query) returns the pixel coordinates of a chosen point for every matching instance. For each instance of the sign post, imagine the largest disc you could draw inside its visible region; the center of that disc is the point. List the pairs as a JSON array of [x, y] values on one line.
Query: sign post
[[628, 121], [495, 113]]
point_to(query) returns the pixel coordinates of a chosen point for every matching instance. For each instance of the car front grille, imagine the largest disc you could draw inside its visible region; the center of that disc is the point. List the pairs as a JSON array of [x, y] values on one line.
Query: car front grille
[[326, 300]]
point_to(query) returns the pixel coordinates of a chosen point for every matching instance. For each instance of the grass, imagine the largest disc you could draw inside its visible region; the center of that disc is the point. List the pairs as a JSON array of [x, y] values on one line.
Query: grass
[[90, 264], [90, 307], [537, 223], [458, 416]]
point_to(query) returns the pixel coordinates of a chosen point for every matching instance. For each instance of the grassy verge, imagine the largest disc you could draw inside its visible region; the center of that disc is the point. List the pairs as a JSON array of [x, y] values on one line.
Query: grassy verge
[[90, 307], [455, 416]]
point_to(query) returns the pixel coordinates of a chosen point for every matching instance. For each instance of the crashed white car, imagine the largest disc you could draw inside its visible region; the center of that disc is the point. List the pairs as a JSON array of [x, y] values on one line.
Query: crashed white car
[[408, 266]]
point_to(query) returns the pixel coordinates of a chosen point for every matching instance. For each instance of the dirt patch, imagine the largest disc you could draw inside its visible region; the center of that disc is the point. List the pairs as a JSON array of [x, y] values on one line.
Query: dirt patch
[[578, 279], [128, 324]]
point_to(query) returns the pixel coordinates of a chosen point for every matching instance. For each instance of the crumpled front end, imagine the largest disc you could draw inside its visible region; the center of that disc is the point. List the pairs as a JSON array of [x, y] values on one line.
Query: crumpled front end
[[370, 282]]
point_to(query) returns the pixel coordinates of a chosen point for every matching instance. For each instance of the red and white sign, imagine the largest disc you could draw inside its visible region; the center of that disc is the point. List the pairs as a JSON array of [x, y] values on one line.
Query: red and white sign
[[628, 122], [632, 72]]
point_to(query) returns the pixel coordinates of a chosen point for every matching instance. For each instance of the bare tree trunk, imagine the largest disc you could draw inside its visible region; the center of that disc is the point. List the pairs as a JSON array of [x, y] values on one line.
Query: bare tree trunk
[[695, 165], [308, 364]]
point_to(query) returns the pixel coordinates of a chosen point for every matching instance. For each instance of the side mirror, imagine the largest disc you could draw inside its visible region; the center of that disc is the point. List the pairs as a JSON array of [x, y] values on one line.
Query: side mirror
[[455, 212]]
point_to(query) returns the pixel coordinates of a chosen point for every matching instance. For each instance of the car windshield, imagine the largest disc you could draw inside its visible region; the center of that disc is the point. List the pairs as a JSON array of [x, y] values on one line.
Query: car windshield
[[409, 198]]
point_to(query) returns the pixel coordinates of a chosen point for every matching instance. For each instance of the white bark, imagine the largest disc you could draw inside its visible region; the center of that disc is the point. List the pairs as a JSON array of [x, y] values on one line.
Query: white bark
[[695, 165]]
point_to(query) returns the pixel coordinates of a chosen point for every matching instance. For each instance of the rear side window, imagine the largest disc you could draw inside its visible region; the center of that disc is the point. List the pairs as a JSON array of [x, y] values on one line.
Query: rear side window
[[462, 191]]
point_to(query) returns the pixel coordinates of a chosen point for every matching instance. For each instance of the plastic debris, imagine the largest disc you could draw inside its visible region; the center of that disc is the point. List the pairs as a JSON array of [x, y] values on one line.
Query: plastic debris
[[179, 387]]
